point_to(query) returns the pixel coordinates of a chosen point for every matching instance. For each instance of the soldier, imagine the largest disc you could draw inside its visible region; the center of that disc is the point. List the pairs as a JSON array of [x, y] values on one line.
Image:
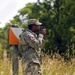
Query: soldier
[[30, 46]]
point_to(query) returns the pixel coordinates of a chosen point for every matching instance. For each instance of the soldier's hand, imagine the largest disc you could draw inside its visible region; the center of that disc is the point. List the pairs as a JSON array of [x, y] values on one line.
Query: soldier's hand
[[43, 31]]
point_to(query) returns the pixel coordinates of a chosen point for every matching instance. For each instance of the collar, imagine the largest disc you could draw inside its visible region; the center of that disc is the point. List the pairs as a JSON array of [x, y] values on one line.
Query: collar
[[31, 32]]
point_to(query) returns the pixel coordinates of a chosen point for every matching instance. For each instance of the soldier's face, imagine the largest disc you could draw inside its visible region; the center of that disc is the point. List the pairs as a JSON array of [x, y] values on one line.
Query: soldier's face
[[36, 28]]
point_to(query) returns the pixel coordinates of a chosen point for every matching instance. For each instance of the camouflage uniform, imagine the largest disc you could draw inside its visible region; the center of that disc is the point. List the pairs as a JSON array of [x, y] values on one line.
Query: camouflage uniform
[[30, 46]]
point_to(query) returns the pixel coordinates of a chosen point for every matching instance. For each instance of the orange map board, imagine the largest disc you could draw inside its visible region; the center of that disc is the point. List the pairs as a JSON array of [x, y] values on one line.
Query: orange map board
[[14, 35]]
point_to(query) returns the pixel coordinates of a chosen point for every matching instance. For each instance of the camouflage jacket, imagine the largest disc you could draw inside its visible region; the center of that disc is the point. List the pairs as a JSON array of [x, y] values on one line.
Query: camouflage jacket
[[30, 44]]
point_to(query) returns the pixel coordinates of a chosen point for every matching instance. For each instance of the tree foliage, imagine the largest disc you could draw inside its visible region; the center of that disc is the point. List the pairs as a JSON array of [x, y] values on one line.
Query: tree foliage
[[58, 16]]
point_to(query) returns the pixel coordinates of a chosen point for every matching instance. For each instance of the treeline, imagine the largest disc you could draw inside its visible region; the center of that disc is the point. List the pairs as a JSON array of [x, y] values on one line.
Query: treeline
[[58, 16]]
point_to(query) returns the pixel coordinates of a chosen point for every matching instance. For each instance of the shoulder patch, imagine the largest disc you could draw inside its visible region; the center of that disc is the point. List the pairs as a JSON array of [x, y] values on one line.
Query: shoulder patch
[[31, 35]]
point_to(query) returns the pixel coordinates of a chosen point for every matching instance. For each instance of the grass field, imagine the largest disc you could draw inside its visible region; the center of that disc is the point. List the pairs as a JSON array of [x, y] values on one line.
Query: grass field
[[49, 67]]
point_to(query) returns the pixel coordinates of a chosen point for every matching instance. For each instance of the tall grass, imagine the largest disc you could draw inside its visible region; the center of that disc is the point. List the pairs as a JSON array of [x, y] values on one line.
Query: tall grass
[[5, 67], [49, 66], [57, 67]]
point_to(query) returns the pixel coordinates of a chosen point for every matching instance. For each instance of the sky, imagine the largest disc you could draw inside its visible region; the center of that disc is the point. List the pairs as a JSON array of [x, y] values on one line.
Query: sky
[[9, 8]]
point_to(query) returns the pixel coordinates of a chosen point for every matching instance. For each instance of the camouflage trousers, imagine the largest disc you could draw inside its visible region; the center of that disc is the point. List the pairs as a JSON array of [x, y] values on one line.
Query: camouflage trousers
[[31, 68], [31, 65]]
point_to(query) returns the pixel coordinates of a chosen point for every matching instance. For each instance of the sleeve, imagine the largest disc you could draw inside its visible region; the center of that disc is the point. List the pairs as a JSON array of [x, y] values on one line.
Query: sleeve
[[32, 41]]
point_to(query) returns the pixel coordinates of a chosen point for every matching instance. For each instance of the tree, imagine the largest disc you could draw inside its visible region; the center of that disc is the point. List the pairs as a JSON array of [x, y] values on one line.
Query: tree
[[58, 16]]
